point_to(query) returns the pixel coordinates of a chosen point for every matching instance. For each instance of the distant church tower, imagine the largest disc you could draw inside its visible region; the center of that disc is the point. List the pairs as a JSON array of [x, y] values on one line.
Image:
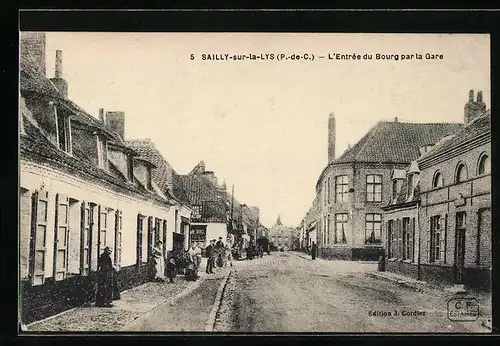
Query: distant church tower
[[331, 138]]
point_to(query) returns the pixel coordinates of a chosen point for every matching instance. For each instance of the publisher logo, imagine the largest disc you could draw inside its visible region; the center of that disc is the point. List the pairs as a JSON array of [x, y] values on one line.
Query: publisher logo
[[463, 309]]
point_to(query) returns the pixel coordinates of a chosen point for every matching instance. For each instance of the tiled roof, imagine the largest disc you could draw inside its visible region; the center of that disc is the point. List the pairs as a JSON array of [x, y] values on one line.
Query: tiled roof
[[475, 128], [164, 174], [31, 80], [36, 147], [396, 142]]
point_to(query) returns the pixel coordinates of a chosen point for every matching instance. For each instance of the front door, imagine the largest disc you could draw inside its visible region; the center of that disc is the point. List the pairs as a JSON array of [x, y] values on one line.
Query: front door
[[460, 246]]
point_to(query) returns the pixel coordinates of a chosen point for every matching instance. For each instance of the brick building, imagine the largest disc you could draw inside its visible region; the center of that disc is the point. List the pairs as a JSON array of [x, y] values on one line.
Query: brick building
[[438, 221], [352, 188], [82, 188], [281, 235], [455, 210]]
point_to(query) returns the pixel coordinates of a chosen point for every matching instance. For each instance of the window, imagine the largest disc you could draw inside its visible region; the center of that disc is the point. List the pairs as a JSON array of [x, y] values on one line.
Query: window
[[390, 230], [149, 240], [86, 238], [373, 225], [130, 168], [461, 173], [437, 181], [340, 228], [140, 221], [374, 188], [102, 153], [102, 240], [407, 239], [436, 240], [410, 185], [149, 179], [118, 238], [63, 134], [61, 238], [328, 191], [483, 166], [341, 188], [38, 249], [199, 234]]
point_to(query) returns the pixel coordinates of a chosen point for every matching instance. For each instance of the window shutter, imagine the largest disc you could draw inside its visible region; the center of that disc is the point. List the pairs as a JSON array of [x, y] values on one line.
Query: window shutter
[[412, 240], [61, 238], [150, 237], [445, 237], [118, 238], [428, 242], [87, 238], [40, 201], [164, 238], [139, 239]]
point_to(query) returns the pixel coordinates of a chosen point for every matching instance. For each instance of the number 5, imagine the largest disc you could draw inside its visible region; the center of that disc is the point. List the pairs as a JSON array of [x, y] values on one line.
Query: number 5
[[192, 56]]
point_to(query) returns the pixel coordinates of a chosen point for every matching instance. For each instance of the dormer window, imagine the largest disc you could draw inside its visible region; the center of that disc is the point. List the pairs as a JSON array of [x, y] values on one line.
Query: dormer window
[[63, 131], [410, 184], [102, 153], [130, 168]]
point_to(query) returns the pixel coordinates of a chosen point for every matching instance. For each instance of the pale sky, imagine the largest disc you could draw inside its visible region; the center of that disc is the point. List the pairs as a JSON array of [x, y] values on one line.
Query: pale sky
[[262, 125]]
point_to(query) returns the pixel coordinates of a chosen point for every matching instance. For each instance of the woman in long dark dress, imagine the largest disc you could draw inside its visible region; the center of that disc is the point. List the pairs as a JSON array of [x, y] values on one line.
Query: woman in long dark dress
[[105, 272], [314, 250]]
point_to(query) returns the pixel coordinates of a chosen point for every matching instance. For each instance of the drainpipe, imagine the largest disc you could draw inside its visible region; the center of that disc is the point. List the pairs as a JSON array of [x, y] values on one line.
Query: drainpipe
[[419, 276]]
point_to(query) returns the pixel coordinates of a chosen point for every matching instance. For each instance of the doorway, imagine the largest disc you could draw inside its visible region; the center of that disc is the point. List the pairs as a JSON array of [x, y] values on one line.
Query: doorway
[[460, 246]]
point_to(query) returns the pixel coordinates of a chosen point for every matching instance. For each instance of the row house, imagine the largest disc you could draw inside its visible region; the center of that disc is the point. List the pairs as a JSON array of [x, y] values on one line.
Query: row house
[[443, 233], [81, 188], [352, 188], [309, 226]]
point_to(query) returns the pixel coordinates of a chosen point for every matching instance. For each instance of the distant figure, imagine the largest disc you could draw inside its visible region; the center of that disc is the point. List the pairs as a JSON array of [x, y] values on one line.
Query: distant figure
[[210, 254], [171, 270], [219, 244], [314, 250], [105, 272], [159, 262], [191, 270], [198, 256]]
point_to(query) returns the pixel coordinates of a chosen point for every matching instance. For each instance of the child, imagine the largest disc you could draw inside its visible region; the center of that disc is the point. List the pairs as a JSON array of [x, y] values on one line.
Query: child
[[171, 270]]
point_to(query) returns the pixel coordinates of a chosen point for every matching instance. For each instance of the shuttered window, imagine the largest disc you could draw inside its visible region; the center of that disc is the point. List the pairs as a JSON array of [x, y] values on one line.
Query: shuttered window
[[150, 238], [85, 238], [412, 240], [436, 239], [406, 238], [389, 239], [164, 238], [38, 244], [61, 238], [118, 238], [103, 228], [139, 239]]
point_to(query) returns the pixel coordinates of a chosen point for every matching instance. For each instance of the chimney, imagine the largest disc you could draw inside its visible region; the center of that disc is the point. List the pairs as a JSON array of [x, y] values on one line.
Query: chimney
[[101, 115], [58, 80], [396, 119], [32, 51], [331, 138], [211, 176], [473, 109], [116, 122]]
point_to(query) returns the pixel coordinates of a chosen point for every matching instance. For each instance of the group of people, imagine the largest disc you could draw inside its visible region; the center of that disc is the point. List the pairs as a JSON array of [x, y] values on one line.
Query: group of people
[[254, 250], [218, 255]]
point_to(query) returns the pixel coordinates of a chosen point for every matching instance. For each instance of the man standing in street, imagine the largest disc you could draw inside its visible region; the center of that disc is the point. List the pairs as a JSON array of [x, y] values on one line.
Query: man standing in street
[[210, 255], [314, 250]]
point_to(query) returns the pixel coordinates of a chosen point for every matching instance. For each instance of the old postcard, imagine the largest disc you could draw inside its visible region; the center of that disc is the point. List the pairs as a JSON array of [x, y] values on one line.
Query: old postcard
[[254, 182]]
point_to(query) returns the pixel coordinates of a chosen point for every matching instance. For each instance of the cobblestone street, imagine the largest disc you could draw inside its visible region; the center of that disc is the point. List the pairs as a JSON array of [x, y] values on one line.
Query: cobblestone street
[[287, 293]]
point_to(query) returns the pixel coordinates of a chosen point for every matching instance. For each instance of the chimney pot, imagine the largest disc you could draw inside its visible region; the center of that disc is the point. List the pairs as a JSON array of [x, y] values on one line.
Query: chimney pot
[[396, 119], [101, 115], [331, 137], [480, 96], [116, 122], [59, 66], [471, 96]]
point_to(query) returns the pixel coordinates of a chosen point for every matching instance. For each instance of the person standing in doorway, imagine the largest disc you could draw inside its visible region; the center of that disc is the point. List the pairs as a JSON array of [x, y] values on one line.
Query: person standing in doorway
[[314, 250], [209, 251], [104, 296]]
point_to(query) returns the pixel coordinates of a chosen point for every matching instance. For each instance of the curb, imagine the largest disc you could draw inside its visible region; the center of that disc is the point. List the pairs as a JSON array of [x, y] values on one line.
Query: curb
[[191, 287], [406, 284], [209, 325]]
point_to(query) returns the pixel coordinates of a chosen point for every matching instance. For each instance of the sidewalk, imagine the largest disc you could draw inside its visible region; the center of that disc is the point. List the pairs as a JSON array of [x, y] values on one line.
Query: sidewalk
[[133, 303]]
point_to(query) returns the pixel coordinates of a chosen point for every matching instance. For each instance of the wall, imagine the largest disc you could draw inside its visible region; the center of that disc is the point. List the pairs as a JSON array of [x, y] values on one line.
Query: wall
[[356, 206], [443, 201], [54, 296]]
